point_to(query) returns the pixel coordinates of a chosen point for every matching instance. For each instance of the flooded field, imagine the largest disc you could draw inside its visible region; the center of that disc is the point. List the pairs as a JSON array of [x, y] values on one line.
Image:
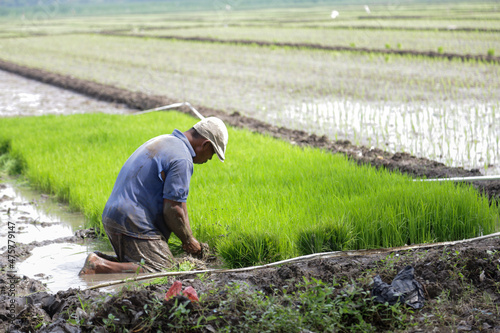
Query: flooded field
[[24, 97], [457, 135], [396, 78], [429, 108], [432, 108]]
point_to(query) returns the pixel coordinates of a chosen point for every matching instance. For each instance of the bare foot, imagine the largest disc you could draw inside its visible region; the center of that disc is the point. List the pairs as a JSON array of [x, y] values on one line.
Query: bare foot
[[90, 264], [94, 264]]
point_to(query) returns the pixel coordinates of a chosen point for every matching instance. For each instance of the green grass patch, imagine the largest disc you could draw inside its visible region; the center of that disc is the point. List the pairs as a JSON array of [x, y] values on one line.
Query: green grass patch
[[270, 200]]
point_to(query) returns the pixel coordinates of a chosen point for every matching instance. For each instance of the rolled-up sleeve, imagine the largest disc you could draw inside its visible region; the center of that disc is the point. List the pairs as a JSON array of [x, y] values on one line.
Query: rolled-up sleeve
[[177, 178]]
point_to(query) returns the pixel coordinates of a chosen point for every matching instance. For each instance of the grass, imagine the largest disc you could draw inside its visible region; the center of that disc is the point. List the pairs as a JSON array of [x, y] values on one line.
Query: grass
[[267, 202], [311, 305], [319, 306]]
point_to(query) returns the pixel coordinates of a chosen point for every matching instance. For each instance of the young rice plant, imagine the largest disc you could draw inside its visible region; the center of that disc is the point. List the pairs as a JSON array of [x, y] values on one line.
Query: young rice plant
[[270, 200]]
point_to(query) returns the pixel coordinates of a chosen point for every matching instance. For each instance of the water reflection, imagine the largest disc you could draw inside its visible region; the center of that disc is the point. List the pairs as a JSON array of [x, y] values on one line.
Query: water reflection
[[36, 218], [464, 135], [57, 265]]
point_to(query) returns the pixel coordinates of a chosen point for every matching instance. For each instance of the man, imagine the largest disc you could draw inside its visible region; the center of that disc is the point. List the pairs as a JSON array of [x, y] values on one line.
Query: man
[[149, 197]]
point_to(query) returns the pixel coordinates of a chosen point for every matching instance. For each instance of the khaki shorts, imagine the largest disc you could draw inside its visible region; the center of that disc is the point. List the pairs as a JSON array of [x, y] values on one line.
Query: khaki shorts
[[155, 252]]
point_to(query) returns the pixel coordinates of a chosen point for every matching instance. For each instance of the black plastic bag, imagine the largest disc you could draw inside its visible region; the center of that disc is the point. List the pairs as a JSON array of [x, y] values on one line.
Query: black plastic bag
[[404, 289]]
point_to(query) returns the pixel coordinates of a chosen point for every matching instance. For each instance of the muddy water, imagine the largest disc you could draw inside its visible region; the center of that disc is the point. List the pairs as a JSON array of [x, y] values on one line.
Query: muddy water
[[24, 97], [36, 217]]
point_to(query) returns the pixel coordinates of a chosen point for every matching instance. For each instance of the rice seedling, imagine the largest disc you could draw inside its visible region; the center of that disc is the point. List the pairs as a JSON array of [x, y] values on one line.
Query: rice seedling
[[326, 236], [454, 42], [270, 200]]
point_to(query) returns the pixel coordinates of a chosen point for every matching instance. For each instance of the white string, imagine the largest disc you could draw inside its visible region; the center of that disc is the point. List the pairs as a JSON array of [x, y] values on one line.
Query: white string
[[323, 255], [172, 106], [460, 179]]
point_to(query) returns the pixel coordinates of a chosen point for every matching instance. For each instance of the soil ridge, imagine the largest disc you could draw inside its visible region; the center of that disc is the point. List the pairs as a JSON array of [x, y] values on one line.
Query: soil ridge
[[430, 54], [450, 276]]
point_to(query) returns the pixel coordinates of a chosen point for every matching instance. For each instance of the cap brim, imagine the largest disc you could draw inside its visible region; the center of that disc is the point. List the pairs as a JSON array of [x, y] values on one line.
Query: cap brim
[[217, 151]]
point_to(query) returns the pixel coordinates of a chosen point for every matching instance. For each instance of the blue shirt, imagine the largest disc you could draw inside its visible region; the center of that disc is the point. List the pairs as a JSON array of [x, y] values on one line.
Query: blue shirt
[[135, 206]]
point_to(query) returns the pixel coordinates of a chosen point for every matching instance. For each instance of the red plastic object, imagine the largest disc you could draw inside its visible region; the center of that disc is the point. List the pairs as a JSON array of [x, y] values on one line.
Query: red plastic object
[[174, 290], [190, 293]]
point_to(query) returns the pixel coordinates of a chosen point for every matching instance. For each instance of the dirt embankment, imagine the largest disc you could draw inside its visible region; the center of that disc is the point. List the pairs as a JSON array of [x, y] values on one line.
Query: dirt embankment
[[430, 54], [406, 163], [460, 283]]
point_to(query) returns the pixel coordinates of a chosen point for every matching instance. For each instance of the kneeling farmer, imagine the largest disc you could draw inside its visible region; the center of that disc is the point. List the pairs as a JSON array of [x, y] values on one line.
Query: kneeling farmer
[[148, 201]]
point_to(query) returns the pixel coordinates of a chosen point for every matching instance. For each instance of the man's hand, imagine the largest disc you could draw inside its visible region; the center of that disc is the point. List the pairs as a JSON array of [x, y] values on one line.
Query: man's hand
[[192, 246], [176, 218]]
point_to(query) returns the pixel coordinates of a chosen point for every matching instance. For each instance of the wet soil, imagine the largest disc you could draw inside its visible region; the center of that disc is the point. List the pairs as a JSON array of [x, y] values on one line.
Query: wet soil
[[20, 96], [46, 238], [404, 162], [461, 286], [461, 282]]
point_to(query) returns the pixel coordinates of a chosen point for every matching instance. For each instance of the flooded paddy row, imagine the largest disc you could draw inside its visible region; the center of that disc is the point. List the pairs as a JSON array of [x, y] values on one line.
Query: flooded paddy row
[[458, 135], [475, 43]]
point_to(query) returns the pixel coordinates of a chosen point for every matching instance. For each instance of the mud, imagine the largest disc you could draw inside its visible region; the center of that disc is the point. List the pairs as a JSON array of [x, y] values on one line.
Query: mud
[[462, 273], [23, 97], [430, 54], [404, 162], [41, 239]]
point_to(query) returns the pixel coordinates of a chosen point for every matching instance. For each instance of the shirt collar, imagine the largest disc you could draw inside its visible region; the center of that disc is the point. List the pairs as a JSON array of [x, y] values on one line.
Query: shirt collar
[[180, 135]]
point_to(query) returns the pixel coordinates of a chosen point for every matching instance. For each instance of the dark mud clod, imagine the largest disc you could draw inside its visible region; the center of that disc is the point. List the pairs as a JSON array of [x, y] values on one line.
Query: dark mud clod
[[86, 233], [205, 252]]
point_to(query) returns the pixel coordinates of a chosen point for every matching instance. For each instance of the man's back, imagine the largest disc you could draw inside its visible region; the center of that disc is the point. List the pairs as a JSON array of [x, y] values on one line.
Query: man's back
[[135, 205]]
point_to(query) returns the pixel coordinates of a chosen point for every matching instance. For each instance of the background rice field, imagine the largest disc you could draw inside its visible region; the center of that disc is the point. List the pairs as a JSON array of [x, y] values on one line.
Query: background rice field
[[427, 106]]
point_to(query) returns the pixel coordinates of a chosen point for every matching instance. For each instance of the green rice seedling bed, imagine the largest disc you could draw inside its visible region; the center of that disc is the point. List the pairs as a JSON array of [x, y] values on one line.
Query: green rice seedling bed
[[270, 200]]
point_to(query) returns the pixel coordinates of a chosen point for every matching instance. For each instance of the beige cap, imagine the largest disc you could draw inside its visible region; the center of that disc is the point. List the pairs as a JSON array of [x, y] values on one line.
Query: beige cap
[[213, 129]]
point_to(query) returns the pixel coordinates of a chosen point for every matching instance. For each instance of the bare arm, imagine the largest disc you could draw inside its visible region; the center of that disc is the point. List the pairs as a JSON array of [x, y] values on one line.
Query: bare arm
[[176, 218]]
